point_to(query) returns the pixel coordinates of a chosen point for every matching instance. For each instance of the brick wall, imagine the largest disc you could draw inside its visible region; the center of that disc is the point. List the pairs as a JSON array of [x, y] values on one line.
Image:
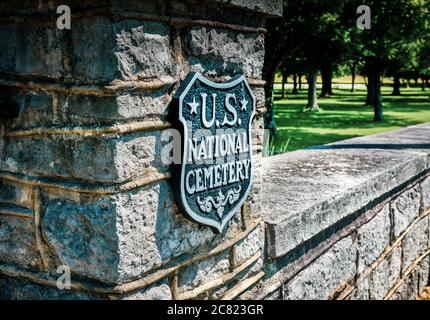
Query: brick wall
[[81, 179]]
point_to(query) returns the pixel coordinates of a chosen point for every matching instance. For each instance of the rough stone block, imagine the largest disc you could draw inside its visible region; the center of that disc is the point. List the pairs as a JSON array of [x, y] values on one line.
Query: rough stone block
[[86, 158], [93, 49], [7, 47], [248, 247], [96, 110], [405, 209], [138, 154], [385, 276], [425, 190], [424, 273], [265, 6], [373, 238], [255, 194], [128, 50], [213, 11], [16, 194], [204, 271], [36, 109], [18, 243], [84, 237], [409, 289], [260, 97], [151, 232], [218, 52], [362, 290], [161, 234], [415, 243], [143, 49], [258, 132], [39, 108], [246, 274], [33, 50], [120, 237], [20, 289], [330, 271], [102, 159], [157, 291], [276, 295], [2, 143]]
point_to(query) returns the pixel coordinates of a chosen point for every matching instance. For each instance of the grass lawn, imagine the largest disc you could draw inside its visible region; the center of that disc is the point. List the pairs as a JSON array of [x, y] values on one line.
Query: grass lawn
[[344, 116]]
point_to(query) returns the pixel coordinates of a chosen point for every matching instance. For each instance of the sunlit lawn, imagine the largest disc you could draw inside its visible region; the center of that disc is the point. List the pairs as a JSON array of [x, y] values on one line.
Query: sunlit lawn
[[344, 116]]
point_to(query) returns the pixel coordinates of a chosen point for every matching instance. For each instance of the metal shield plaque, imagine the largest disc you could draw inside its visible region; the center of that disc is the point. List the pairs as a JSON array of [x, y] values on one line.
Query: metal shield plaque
[[215, 175]]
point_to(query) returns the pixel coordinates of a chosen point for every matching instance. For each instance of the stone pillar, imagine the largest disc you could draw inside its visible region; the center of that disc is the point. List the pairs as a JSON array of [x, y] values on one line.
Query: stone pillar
[[81, 180]]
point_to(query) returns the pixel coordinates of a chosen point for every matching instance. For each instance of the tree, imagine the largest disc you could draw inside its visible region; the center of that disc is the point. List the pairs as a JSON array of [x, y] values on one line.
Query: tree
[[308, 26], [284, 72], [424, 53], [327, 79], [424, 62], [322, 33], [352, 50], [325, 48], [396, 24], [294, 65], [405, 65]]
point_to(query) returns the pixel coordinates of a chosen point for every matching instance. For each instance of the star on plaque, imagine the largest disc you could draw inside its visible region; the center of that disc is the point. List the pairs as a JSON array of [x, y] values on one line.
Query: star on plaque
[[244, 103], [193, 106]]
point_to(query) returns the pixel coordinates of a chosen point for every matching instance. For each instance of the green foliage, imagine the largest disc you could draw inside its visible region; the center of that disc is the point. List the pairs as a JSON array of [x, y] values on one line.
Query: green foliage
[[424, 45], [394, 40], [314, 32]]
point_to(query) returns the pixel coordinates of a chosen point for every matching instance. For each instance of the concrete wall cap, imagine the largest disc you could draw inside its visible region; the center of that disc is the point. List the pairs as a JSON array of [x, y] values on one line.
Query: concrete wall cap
[[308, 191]]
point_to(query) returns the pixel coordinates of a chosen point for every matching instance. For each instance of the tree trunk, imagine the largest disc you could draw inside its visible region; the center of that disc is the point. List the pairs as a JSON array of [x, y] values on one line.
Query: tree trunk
[[300, 82], [353, 77], [327, 77], [370, 99], [269, 116], [423, 84], [377, 104], [295, 84], [396, 86], [312, 91], [284, 82]]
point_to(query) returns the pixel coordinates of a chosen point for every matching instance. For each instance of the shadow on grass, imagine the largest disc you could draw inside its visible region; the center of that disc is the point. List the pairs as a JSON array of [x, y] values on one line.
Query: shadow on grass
[[343, 116]]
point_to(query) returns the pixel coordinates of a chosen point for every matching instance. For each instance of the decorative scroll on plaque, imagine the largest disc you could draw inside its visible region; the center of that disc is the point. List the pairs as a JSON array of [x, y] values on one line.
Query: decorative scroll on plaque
[[215, 174]]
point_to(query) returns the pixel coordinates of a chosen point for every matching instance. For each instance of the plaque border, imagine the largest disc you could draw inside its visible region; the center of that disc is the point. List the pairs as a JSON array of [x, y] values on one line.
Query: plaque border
[[183, 91]]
